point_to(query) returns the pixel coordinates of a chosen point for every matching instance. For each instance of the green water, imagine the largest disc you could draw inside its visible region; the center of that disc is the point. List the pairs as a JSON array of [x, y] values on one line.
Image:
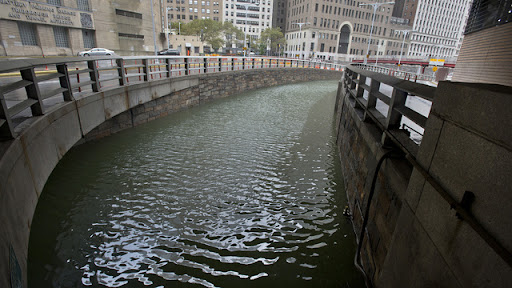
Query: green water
[[241, 192]]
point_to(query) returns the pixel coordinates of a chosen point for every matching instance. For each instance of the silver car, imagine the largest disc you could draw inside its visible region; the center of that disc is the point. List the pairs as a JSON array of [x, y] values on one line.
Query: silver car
[[96, 52]]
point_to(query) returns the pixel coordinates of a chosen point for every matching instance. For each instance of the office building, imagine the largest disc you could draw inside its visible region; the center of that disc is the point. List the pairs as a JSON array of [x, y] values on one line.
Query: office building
[[250, 16]]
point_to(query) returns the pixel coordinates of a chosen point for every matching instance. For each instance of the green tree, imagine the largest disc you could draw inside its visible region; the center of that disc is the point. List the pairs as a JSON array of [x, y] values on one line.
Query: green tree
[[209, 30], [276, 39], [232, 34]]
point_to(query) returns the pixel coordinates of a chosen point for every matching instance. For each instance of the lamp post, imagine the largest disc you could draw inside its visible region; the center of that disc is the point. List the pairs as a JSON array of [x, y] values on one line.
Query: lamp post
[[377, 58], [403, 41], [375, 6], [167, 25], [153, 24], [245, 32], [300, 35]]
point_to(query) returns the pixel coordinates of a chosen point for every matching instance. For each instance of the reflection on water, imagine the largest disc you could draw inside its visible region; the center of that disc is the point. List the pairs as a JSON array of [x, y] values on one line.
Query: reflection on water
[[242, 192]]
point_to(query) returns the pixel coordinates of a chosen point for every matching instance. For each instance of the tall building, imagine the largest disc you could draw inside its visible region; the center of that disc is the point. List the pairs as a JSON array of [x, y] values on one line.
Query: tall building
[[340, 30], [438, 26], [188, 10], [251, 16], [279, 15]]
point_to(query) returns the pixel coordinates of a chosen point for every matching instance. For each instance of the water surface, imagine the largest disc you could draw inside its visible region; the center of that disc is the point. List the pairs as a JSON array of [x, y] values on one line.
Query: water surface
[[241, 192]]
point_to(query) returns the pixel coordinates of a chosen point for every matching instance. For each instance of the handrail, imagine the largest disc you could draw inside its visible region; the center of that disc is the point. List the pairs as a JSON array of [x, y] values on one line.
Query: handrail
[[78, 76]]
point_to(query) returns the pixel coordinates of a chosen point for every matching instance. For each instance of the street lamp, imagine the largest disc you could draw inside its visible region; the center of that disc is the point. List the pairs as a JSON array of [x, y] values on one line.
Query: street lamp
[[403, 41], [300, 34], [153, 24], [375, 6], [167, 25], [245, 34]]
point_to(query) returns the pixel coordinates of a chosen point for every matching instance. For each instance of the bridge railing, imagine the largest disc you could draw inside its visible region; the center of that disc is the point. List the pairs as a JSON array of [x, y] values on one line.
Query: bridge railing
[[396, 73], [32, 87], [396, 106]]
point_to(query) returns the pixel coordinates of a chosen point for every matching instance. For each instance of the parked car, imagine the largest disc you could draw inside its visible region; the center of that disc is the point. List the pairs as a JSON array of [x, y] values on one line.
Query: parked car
[[96, 52], [169, 52]]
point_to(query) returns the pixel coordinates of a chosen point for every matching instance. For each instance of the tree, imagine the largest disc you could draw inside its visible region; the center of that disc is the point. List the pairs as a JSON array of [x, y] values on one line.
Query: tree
[[209, 30], [276, 38], [232, 34]]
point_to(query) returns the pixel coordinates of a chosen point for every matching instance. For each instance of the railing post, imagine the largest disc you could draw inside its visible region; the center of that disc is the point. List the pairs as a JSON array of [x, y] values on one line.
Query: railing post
[[205, 64], [187, 66], [7, 129], [121, 72], [33, 90], [145, 69], [372, 100], [398, 98], [243, 63], [64, 81], [168, 67], [93, 75], [253, 63], [220, 64], [233, 64]]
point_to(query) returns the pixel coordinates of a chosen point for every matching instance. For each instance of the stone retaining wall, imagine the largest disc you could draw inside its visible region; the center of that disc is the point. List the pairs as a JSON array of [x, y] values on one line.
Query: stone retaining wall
[[208, 87], [414, 238]]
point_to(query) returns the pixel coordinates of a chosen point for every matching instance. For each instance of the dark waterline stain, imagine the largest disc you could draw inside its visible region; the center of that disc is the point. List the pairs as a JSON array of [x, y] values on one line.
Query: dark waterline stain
[[244, 191]]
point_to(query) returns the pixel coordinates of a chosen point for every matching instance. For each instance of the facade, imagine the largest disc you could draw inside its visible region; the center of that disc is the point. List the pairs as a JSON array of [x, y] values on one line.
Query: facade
[[251, 16], [65, 27], [279, 15], [187, 10], [486, 54], [340, 30], [438, 26]]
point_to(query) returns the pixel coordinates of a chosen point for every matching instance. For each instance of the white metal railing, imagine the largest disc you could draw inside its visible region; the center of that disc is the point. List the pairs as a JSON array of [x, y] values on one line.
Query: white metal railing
[[396, 73], [30, 87]]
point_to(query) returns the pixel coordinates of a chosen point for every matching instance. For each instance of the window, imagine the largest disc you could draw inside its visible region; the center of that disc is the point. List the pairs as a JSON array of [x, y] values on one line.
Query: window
[[88, 36], [55, 2], [61, 36], [83, 5], [27, 33], [134, 36], [128, 14]]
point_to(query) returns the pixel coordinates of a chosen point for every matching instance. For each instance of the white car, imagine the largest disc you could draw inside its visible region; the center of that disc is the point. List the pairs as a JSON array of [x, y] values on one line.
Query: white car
[[96, 52]]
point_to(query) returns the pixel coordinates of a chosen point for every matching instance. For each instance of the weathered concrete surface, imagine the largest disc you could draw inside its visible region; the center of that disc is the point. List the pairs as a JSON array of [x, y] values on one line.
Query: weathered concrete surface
[[28, 160], [414, 238]]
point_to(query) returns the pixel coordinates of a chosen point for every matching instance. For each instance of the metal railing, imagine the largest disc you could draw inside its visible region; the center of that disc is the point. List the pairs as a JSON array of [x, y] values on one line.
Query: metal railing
[[396, 73], [32, 87], [390, 103]]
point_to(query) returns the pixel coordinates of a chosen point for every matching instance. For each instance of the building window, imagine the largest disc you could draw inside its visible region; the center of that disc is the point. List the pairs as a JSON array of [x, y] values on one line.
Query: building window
[[27, 33], [128, 14], [88, 36], [55, 2], [134, 36], [83, 5], [61, 36]]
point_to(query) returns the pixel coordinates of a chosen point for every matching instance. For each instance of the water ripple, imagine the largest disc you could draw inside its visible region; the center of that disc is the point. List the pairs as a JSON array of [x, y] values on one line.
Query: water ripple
[[240, 192]]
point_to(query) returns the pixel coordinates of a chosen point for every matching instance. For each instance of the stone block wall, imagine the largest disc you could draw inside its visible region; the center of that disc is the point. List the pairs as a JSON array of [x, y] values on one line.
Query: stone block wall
[[414, 237], [208, 88]]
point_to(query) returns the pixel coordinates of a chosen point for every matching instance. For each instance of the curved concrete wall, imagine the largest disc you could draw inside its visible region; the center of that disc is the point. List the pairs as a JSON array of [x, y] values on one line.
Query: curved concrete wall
[[28, 160]]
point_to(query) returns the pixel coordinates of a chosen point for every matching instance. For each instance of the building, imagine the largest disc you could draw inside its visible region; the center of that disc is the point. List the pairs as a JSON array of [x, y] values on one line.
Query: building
[[65, 27], [486, 54], [251, 16], [438, 26], [279, 15], [188, 10], [340, 30]]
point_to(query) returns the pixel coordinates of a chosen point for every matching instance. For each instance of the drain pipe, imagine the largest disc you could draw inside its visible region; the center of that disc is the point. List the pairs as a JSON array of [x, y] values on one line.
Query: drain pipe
[[367, 279]]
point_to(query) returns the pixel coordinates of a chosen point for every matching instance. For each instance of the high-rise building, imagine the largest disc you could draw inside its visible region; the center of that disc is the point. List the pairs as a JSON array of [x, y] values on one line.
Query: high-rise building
[[340, 30], [438, 26], [188, 10], [251, 16], [279, 14]]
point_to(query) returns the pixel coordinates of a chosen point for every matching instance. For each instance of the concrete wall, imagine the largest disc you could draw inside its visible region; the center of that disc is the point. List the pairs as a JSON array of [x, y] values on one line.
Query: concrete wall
[[414, 238], [28, 160]]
